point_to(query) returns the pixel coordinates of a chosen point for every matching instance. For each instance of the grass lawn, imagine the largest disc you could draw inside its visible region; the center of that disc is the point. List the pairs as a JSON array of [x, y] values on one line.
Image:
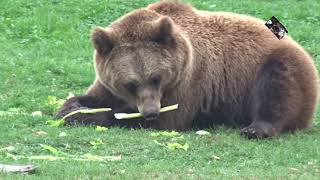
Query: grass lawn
[[45, 51]]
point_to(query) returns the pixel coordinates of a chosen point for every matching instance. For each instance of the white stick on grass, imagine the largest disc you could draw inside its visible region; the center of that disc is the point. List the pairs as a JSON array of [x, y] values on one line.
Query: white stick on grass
[[87, 111], [17, 168], [137, 115]]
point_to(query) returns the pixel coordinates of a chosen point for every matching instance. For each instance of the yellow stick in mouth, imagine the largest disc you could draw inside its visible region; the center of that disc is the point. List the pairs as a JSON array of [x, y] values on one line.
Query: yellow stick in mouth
[[137, 115], [87, 111]]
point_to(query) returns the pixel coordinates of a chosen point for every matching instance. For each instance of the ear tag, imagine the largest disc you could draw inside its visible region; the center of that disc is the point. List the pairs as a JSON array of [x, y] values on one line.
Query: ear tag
[[276, 27]]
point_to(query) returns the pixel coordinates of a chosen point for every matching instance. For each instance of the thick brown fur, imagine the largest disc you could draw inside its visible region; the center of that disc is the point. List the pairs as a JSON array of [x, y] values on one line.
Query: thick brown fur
[[219, 67]]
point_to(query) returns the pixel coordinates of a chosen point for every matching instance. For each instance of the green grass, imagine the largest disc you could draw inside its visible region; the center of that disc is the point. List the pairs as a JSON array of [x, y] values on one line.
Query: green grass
[[45, 51]]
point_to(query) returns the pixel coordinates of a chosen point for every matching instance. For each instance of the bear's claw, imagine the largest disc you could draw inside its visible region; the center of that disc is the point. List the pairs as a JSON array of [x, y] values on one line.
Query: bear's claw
[[254, 133]]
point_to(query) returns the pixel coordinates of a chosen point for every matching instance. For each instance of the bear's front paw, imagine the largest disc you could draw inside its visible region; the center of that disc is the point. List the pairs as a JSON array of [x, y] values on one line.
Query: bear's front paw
[[259, 131], [100, 118], [70, 105], [253, 133]]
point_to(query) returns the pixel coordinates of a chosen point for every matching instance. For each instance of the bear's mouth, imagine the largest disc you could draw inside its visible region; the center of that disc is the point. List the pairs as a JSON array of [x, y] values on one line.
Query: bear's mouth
[[151, 116]]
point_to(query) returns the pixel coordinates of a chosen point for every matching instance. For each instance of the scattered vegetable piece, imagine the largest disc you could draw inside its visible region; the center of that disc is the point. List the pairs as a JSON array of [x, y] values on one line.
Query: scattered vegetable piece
[[62, 134], [96, 143], [177, 138], [137, 115], [70, 95], [101, 129], [41, 133], [55, 123], [216, 157], [155, 141], [294, 169], [202, 133], [50, 149], [165, 133], [52, 100], [36, 114], [174, 146]]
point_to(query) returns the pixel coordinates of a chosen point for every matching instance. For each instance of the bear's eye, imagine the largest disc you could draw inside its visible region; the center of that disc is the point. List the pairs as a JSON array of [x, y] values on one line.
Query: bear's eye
[[155, 80], [131, 87]]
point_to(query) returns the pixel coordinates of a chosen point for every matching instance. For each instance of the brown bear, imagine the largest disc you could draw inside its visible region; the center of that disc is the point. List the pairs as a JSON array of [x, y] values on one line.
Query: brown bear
[[219, 67]]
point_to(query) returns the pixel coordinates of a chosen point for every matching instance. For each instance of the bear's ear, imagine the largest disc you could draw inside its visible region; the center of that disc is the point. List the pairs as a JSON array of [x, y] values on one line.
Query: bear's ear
[[163, 31], [101, 41]]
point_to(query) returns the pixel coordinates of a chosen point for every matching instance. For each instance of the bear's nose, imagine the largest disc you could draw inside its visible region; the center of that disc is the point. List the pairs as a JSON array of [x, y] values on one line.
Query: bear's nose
[[151, 115]]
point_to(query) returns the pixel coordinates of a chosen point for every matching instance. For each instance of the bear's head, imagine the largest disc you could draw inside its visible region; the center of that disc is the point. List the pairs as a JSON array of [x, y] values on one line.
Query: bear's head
[[140, 58]]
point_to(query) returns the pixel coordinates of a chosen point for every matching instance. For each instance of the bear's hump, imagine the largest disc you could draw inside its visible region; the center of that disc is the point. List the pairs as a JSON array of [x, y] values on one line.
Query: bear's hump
[[171, 7]]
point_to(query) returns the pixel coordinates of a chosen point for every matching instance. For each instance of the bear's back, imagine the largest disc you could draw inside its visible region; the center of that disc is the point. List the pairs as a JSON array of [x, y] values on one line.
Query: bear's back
[[229, 48], [216, 32]]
